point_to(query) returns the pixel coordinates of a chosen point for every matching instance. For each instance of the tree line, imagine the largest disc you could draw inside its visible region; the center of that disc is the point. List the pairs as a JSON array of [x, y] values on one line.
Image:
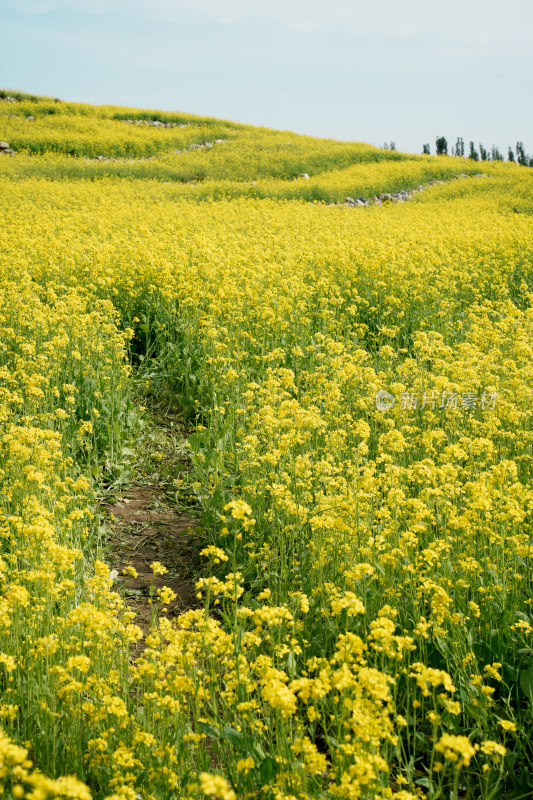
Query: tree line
[[517, 155]]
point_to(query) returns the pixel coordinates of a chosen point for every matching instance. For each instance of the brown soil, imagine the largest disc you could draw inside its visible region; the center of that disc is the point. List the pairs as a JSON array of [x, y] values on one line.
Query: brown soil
[[144, 529]]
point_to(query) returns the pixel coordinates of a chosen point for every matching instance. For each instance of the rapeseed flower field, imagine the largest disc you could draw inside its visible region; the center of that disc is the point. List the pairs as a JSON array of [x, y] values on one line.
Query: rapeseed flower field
[[360, 385]]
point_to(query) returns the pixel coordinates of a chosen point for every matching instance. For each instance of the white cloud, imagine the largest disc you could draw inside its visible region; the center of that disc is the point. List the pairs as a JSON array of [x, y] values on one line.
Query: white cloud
[[478, 21], [37, 7], [486, 26]]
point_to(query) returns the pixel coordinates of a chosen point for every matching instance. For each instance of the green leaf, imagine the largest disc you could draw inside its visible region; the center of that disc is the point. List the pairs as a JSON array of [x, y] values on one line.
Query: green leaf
[[267, 770], [526, 682], [291, 664], [209, 730], [229, 734]]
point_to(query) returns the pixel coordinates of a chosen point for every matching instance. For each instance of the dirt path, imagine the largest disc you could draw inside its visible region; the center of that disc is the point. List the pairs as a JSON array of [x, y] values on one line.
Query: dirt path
[[145, 525]]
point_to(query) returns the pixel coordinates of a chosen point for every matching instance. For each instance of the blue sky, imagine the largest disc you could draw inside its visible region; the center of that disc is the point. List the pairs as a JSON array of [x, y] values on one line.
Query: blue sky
[[402, 70]]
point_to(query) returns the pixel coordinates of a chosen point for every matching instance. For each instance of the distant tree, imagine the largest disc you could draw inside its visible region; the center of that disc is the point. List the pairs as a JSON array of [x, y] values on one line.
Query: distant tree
[[483, 153], [473, 152], [510, 155], [459, 147], [496, 155], [392, 146], [520, 155], [425, 150], [442, 146]]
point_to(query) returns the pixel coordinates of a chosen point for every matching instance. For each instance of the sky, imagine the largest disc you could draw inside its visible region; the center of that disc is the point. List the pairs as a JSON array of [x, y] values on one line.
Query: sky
[[363, 70]]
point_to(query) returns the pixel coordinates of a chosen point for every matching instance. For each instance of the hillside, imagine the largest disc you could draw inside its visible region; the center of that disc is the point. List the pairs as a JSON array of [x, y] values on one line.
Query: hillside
[[319, 353]]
